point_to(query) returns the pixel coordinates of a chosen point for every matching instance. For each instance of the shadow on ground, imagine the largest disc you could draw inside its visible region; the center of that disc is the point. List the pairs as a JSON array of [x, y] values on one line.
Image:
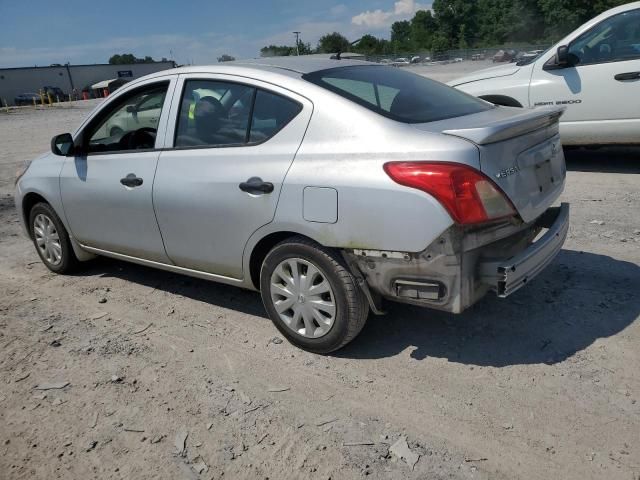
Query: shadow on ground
[[580, 298], [610, 159], [225, 296]]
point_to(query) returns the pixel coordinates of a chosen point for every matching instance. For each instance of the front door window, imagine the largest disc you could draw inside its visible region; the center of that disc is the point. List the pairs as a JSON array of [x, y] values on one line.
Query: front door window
[[131, 124]]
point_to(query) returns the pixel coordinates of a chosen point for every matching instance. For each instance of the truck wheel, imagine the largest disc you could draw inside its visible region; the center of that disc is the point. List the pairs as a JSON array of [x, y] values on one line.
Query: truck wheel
[[311, 296], [51, 239]]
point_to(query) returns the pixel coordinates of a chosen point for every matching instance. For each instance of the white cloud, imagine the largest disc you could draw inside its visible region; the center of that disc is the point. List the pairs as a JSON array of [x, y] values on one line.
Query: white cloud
[[402, 9]]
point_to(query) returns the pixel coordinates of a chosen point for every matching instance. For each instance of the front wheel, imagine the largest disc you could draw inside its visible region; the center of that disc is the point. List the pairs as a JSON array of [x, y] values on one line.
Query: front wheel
[[51, 239], [311, 297]]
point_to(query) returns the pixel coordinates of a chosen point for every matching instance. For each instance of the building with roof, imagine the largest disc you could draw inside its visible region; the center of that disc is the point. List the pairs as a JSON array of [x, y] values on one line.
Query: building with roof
[[15, 81]]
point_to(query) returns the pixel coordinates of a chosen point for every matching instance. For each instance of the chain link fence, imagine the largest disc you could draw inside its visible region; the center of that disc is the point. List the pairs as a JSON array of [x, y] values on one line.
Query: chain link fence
[[450, 56]]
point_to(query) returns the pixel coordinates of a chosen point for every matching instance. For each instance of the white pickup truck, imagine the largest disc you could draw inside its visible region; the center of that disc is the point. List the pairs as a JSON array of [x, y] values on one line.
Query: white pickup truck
[[594, 72]]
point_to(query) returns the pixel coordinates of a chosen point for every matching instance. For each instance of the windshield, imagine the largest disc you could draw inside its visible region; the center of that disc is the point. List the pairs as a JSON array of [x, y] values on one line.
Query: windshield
[[397, 94]]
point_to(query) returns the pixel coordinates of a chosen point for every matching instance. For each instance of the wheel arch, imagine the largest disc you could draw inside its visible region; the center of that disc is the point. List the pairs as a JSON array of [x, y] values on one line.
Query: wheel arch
[[28, 202], [31, 199], [260, 251], [503, 100]]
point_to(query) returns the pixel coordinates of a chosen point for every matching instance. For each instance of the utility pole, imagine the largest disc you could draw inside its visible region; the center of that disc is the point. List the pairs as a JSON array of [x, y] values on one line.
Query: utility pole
[[297, 34]]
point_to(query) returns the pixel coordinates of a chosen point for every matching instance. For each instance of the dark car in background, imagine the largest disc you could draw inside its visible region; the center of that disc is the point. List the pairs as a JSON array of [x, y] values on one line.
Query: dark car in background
[[56, 93], [504, 56], [26, 99]]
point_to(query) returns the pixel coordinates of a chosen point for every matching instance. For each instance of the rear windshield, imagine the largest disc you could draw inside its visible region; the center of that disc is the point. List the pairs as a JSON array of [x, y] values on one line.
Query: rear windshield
[[396, 93]]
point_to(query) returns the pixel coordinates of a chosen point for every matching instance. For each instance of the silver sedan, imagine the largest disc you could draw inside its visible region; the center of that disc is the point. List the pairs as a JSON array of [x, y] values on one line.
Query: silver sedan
[[331, 186]]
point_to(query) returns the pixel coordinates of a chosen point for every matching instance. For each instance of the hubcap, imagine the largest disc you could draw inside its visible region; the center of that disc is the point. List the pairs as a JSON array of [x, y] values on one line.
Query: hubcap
[[47, 239], [303, 298]]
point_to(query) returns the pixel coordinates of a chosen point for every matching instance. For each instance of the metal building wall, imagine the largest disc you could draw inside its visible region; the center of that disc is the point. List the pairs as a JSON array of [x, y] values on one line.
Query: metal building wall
[[14, 81]]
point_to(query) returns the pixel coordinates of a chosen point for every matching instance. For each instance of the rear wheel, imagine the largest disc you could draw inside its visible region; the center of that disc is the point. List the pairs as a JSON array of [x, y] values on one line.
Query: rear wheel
[[51, 239], [311, 297]]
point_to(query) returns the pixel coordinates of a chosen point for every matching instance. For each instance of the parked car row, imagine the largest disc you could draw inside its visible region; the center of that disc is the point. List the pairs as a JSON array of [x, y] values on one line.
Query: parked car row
[[47, 94]]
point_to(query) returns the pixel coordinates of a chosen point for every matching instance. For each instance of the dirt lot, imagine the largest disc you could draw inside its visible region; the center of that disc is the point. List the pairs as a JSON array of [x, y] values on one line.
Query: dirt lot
[[172, 377]]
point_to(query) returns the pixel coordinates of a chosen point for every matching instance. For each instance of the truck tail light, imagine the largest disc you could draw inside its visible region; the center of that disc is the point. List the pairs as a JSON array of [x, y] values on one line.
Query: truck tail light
[[468, 195]]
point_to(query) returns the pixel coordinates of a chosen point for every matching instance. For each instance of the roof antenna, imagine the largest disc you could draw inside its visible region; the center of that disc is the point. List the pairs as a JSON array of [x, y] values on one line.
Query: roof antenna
[[336, 56]]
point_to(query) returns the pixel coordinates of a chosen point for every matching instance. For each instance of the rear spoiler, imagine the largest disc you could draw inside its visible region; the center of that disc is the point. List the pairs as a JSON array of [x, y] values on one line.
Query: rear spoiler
[[527, 121]]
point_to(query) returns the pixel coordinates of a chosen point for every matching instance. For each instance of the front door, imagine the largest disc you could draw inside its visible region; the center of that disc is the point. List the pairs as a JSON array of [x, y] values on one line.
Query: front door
[[233, 142], [601, 92], [107, 190]]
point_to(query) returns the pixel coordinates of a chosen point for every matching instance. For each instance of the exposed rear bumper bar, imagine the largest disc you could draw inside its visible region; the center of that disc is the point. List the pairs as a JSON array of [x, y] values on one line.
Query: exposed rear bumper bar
[[508, 276]]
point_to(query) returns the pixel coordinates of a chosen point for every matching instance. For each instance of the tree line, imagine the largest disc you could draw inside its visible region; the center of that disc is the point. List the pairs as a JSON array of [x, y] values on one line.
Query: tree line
[[462, 24], [129, 58]]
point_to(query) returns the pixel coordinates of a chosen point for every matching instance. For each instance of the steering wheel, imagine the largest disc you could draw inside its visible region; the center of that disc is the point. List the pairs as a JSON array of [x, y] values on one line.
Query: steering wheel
[[141, 139]]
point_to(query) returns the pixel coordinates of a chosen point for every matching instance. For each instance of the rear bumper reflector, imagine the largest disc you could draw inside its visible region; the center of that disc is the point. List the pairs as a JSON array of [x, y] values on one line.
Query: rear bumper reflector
[[419, 290]]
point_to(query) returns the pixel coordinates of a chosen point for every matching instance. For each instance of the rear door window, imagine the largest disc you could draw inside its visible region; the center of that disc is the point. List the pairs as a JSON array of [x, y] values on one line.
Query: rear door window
[[271, 113], [218, 114], [214, 114], [397, 94]]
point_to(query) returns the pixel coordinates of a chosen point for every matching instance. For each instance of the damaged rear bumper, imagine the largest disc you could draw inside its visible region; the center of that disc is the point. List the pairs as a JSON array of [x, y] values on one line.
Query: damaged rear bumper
[[508, 276], [463, 264]]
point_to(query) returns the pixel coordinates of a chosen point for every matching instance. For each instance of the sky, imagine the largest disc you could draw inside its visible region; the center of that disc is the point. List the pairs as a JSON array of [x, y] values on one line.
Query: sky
[[38, 32]]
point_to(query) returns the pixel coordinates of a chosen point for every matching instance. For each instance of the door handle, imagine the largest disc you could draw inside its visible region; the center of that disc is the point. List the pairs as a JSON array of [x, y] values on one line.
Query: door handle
[[621, 77], [131, 180], [256, 186]]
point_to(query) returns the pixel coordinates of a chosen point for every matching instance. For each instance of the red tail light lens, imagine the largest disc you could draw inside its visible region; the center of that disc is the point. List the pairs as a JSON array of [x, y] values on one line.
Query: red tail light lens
[[468, 195]]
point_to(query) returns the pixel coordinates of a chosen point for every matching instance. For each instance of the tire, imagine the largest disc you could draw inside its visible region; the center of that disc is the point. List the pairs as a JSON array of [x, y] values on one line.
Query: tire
[[316, 264], [58, 256]]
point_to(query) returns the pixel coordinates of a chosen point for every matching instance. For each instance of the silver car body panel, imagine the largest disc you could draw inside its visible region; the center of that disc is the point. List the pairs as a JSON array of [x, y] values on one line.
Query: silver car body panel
[[101, 212], [520, 151], [196, 190], [327, 169]]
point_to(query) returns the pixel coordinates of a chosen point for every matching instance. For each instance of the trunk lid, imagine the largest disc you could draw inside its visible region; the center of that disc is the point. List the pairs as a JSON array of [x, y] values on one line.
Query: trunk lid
[[520, 151]]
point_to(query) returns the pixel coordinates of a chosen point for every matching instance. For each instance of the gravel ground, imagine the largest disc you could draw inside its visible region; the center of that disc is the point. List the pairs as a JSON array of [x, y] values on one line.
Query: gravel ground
[[174, 377]]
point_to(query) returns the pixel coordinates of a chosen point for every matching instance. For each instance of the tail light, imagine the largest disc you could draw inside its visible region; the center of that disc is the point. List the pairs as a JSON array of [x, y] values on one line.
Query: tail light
[[469, 196]]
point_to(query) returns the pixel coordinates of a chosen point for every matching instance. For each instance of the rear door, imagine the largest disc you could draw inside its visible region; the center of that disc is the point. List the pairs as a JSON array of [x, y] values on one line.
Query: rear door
[[230, 145], [602, 91]]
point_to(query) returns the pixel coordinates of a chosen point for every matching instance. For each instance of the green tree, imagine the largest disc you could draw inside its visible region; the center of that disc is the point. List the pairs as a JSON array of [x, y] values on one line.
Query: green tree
[[276, 51], [128, 58], [452, 14], [401, 35], [333, 43], [423, 28], [368, 44], [304, 48], [564, 16]]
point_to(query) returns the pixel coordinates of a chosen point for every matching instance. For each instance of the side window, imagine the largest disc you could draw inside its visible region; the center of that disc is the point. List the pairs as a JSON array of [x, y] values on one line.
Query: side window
[[271, 112], [615, 39], [131, 124], [213, 113]]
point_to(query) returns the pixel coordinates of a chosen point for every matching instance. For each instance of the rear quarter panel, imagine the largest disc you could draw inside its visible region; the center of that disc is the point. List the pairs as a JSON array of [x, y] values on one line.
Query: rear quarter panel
[[345, 148]]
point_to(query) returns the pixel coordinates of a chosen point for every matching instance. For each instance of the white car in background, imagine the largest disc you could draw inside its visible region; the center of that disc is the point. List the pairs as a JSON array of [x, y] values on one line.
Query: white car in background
[[594, 72]]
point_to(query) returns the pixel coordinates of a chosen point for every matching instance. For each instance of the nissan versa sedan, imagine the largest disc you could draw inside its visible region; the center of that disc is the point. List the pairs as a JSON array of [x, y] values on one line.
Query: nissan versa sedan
[[328, 185]]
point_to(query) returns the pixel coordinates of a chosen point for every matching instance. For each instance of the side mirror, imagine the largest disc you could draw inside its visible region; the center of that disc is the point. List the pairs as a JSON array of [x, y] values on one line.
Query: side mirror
[[562, 57], [62, 145], [131, 109]]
